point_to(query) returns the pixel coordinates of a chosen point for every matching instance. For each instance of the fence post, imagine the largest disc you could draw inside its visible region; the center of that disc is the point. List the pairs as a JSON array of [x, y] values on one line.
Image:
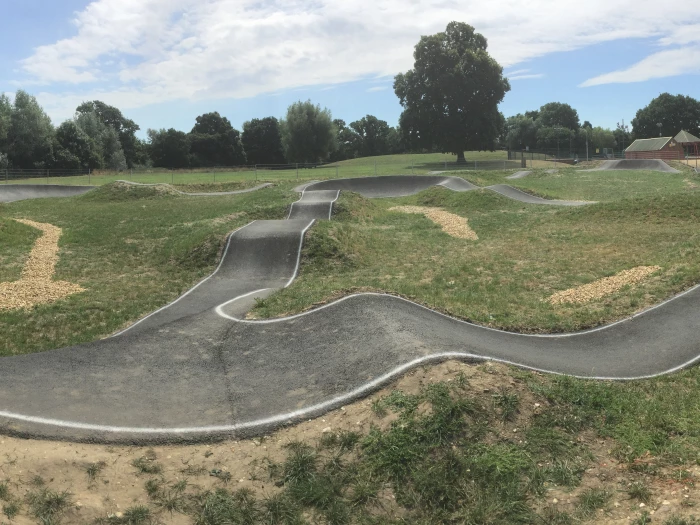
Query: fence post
[[47, 176], [375, 168], [214, 176], [475, 164], [172, 176], [336, 171], [256, 173], [90, 173], [297, 170]]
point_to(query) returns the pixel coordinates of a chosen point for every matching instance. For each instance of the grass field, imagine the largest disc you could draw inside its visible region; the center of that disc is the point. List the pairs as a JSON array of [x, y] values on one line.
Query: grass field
[[524, 253], [132, 248], [449, 444], [367, 166]]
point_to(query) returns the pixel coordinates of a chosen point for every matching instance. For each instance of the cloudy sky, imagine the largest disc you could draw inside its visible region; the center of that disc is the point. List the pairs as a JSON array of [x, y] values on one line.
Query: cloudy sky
[[163, 62]]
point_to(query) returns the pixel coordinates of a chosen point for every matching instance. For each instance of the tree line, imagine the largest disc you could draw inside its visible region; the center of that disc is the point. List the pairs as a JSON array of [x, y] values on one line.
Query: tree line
[[450, 105]]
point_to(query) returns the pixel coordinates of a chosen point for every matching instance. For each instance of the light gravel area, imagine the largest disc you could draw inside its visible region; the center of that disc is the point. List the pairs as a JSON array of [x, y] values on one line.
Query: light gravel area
[[602, 287], [450, 223], [36, 285]]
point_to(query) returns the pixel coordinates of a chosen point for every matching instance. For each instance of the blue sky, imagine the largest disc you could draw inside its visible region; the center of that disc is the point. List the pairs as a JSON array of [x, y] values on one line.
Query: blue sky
[[163, 62]]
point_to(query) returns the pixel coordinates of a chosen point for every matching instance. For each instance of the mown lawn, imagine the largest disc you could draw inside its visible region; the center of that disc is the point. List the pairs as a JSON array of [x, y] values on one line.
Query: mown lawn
[[525, 253], [133, 249]]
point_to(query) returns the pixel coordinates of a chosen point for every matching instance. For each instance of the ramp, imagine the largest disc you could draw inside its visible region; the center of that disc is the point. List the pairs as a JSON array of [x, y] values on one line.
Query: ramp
[[19, 192], [635, 164]]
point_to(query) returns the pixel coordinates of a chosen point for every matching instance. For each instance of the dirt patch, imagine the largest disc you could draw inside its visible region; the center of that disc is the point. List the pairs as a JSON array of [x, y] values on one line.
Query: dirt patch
[[450, 223], [602, 287], [36, 285]]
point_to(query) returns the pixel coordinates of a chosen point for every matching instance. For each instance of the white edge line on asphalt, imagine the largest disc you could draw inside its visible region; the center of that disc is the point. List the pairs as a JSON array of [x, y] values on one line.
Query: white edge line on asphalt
[[314, 409], [221, 262], [301, 243], [357, 392]]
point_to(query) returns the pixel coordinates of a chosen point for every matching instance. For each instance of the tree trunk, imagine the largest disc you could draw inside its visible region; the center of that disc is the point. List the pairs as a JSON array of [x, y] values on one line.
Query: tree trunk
[[460, 158]]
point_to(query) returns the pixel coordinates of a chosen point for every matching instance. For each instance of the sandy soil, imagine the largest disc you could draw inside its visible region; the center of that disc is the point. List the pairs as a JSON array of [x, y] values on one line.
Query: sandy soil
[[602, 287], [450, 223]]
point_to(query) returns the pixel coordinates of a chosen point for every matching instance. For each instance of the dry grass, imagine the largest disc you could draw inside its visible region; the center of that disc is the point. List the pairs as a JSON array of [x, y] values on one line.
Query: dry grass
[[602, 287], [450, 223], [36, 286]]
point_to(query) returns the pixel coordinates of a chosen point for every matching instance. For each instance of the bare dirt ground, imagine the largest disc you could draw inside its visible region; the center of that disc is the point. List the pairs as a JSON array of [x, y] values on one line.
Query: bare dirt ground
[[118, 485]]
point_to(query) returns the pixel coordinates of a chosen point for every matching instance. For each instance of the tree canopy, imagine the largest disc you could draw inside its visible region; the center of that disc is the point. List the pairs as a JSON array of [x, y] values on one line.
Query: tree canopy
[[451, 96], [29, 139], [308, 134], [125, 128], [169, 148], [673, 112], [262, 141], [214, 142]]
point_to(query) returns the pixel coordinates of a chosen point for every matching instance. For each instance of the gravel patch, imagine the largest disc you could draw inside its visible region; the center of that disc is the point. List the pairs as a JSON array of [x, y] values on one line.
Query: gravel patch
[[36, 285], [450, 223], [603, 287]]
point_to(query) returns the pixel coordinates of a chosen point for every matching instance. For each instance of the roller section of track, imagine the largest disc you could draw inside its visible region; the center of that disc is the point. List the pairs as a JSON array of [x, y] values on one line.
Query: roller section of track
[[635, 164], [392, 185], [314, 205], [19, 192], [519, 175], [518, 195], [195, 370], [201, 194]]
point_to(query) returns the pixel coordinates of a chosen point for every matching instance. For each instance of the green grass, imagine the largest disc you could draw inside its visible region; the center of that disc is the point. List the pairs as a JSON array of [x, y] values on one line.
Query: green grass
[[524, 254], [361, 167], [132, 248], [601, 186]]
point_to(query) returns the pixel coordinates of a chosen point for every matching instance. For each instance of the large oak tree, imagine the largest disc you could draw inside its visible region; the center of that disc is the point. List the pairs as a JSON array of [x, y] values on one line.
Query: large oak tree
[[451, 96]]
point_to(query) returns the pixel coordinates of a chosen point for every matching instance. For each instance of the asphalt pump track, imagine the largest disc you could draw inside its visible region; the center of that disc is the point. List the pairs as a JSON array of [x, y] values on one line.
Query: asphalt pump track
[[197, 370]]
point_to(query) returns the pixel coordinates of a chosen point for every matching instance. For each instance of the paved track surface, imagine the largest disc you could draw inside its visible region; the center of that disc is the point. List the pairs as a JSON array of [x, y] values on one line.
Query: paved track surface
[[635, 164], [19, 192], [518, 195], [195, 370], [519, 175]]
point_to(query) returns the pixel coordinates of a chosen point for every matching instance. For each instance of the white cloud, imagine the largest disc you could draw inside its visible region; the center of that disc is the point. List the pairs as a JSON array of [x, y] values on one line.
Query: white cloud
[[138, 52], [377, 88], [669, 63], [525, 76]]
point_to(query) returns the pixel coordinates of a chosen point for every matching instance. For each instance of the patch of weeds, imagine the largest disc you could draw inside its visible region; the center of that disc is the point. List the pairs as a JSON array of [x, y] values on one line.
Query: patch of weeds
[[508, 403], [137, 515], [221, 507], [591, 500], [348, 439], [171, 500], [37, 481], [93, 470], [192, 470], [644, 519], [11, 510], [565, 473], [552, 516], [223, 475], [676, 520], [48, 506], [146, 466], [364, 490], [300, 464], [4, 491], [280, 509], [153, 487], [639, 491]]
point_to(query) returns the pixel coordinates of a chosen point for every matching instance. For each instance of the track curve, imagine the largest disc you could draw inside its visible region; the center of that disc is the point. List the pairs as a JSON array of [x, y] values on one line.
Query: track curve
[[194, 370]]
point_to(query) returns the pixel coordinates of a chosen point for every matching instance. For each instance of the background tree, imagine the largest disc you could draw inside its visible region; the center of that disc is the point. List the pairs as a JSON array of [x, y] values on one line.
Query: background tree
[[555, 114], [520, 131], [107, 148], [262, 141], [169, 148], [214, 142], [74, 149], [450, 97], [372, 136], [347, 142], [308, 134], [30, 134], [125, 128], [675, 113], [5, 120]]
